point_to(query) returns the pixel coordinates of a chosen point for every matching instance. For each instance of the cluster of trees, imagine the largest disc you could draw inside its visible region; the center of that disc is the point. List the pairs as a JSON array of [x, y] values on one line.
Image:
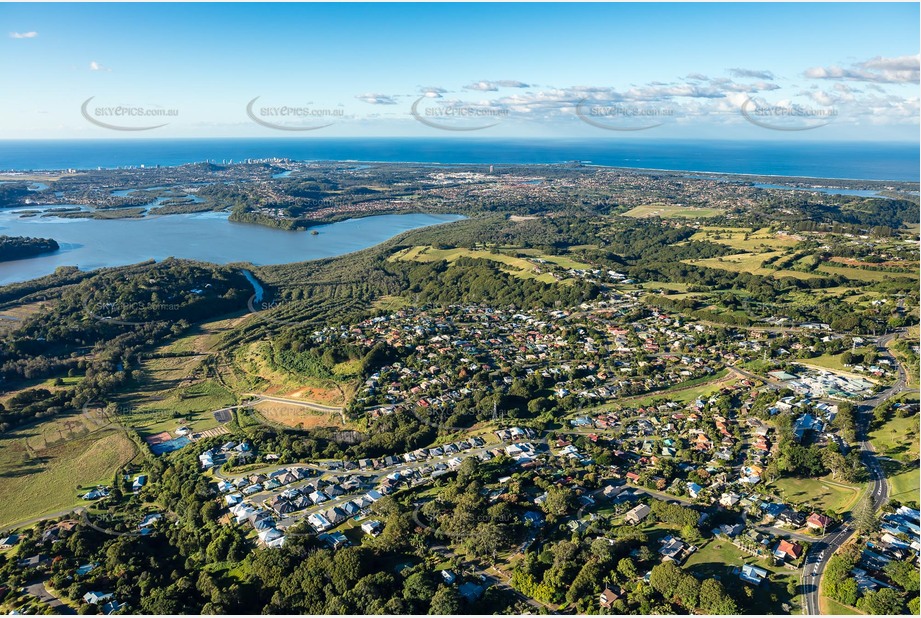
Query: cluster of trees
[[811, 461], [470, 280], [841, 586], [674, 514], [13, 194], [100, 326], [32, 404], [460, 515], [574, 571], [19, 247], [689, 593]]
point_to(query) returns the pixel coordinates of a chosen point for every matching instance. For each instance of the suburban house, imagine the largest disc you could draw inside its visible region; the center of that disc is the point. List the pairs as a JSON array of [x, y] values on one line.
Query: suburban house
[[637, 514], [10, 541], [96, 597], [792, 518], [149, 520], [206, 459], [372, 527], [729, 500], [675, 550], [609, 595], [752, 574], [817, 521], [786, 550]]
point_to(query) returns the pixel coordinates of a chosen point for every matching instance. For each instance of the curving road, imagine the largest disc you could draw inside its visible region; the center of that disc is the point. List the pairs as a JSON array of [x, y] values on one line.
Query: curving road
[[819, 554]]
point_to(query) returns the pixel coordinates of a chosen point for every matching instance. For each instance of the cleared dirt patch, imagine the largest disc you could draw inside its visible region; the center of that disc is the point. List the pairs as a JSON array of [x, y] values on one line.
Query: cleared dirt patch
[[297, 417]]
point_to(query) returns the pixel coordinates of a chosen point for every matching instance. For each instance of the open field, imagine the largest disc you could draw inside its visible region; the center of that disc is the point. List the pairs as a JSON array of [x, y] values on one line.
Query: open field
[[173, 387], [516, 266], [904, 485], [750, 263], [12, 317], [670, 211], [897, 438], [67, 382], [665, 285], [43, 465], [191, 406], [560, 260], [821, 493], [832, 361], [863, 275], [746, 239], [390, 303]]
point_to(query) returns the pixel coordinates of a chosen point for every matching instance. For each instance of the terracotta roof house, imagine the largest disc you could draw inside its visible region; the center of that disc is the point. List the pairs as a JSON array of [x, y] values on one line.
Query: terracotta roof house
[[786, 550], [818, 521]]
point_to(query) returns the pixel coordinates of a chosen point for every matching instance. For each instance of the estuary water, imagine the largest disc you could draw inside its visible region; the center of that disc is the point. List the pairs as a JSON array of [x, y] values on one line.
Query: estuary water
[[96, 243]]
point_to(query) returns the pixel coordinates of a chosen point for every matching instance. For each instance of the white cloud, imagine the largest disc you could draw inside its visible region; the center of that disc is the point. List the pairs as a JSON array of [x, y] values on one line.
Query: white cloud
[[433, 92], [377, 99], [24, 35], [493, 86], [95, 66], [899, 70], [751, 73]]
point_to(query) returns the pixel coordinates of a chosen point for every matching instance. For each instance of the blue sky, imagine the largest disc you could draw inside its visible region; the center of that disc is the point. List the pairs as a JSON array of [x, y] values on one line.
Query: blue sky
[[621, 71]]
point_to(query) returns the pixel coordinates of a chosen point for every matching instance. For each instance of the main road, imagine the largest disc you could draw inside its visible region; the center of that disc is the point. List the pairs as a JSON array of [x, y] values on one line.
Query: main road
[[820, 552]]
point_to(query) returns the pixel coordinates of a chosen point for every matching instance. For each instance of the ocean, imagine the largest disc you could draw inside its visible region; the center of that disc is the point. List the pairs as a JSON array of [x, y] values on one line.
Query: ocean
[[851, 160]]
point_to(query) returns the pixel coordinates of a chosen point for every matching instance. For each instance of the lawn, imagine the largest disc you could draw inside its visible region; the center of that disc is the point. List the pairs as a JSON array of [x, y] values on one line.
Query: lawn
[[42, 466], [745, 239], [830, 606], [903, 486], [562, 261], [675, 286], [750, 263], [671, 211], [896, 442], [833, 361], [862, 275], [822, 493], [897, 438], [192, 406], [716, 558], [390, 303]]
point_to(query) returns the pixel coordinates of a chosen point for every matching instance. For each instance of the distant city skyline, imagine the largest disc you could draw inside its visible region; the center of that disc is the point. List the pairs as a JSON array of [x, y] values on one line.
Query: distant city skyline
[[612, 71]]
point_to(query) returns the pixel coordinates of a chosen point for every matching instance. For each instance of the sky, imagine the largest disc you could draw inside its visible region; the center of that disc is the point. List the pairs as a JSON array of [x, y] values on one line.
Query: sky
[[847, 71]]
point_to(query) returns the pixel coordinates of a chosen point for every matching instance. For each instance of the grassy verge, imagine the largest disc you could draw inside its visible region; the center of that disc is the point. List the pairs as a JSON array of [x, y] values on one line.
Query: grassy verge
[[821, 493]]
